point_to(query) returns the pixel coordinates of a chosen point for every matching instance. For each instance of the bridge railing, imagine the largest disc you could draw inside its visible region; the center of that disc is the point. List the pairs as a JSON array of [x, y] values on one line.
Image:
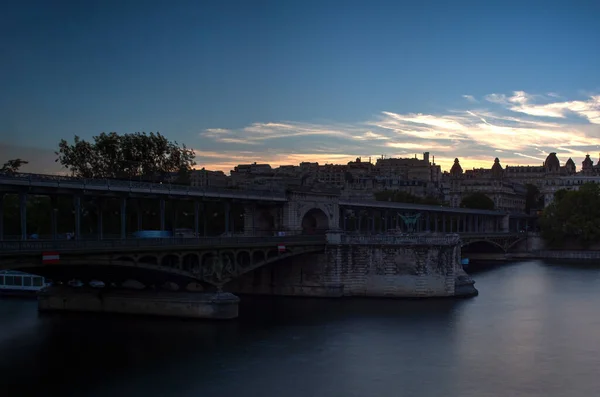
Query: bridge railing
[[61, 181], [425, 239], [7, 247]]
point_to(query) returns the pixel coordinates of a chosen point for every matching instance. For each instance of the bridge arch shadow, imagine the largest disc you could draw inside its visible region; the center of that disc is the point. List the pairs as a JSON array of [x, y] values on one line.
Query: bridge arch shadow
[[274, 258], [483, 246], [314, 220]]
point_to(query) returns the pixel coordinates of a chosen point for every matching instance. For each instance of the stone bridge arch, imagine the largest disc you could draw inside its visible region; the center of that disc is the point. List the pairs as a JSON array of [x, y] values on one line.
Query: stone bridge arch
[[482, 243], [315, 220], [315, 217], [501, 244]]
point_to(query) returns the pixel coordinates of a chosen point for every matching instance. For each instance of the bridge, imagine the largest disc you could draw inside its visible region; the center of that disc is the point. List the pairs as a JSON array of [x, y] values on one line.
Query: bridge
[[292, 211], [302, 241]]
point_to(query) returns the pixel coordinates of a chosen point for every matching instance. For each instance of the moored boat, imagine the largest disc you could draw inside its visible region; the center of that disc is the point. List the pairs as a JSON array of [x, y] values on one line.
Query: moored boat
[[13, 282]]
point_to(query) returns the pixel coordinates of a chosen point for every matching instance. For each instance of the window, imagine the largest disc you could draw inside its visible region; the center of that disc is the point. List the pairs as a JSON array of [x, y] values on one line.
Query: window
[[18, 280], [27, 281], [37, 281], [9, 280], [1, 280]]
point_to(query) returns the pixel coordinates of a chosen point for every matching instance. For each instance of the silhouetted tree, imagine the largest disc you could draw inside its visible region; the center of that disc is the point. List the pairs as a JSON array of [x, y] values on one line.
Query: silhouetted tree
[[404, 197], [137, 155], [477, 201], [533, 199], [12, 166], [573, 216]]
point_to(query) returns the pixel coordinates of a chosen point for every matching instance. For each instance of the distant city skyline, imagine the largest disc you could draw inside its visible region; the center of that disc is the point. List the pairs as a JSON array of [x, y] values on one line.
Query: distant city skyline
[[321, 81]]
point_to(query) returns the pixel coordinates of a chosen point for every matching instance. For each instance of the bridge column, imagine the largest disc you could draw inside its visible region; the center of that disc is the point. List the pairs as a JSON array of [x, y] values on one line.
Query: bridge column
[[139, 214], [506, 223], [123, 217], [100, 226], [174, 218], [54, 217], [227, 214], [23, 214], [2, 216], [384, 221], [162, 214], [372, 221], [197, 218], [77, 210]]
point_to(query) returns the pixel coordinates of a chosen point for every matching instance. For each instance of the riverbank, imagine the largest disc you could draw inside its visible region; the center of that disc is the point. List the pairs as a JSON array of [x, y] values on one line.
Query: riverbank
[[546, 254]]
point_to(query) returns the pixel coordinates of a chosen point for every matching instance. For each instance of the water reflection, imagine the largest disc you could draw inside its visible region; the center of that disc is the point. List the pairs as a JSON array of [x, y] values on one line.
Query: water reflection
[[532, 331]]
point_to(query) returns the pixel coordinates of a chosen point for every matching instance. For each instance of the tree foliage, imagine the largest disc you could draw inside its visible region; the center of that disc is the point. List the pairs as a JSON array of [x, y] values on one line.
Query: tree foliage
[[533, 198], [477, 201], [12, 166], [404, 197], [573, 216], [137, 155]]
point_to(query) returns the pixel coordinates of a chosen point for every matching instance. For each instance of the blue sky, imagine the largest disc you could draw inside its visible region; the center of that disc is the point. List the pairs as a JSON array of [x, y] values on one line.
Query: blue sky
[[288, 81]]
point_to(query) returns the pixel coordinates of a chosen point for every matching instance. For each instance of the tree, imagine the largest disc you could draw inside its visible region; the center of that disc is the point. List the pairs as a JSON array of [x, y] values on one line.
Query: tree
[[12, 166], [477, 201], [533, 198], [138, 155], [573, 216], [404, 197]]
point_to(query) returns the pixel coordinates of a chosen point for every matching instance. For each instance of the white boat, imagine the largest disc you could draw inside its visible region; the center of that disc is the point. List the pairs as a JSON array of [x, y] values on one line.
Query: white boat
[[13, 282]]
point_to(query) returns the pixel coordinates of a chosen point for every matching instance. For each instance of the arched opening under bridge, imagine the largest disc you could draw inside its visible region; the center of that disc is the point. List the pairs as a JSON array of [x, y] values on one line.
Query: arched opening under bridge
[[315, 221]]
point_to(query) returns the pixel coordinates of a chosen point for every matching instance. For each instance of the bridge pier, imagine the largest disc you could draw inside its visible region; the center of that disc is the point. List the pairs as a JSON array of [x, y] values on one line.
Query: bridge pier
[[219, 305]]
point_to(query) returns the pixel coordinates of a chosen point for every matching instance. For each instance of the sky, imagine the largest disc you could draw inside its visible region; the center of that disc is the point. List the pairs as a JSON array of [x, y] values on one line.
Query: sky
[[286, 81]]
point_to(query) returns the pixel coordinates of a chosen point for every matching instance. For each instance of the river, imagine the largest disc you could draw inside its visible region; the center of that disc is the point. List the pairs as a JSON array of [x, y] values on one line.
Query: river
[[534, 330]]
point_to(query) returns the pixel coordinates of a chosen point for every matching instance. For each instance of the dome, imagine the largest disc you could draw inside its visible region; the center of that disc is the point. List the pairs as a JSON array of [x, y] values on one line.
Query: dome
[[497, 168], [456, 168], [552, 163], [570, 162], [587, 161]]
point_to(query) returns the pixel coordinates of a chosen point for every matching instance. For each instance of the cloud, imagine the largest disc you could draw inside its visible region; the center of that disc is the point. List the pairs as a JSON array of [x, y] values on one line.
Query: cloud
[[470, 98], [522, 102], [520, 127]]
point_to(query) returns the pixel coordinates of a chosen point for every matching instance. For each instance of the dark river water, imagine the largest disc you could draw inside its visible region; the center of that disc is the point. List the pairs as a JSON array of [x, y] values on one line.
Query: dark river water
[[534, 330]]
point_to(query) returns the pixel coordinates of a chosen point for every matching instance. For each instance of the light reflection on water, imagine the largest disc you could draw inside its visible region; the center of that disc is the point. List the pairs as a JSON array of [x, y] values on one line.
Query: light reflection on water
[[532, 331]]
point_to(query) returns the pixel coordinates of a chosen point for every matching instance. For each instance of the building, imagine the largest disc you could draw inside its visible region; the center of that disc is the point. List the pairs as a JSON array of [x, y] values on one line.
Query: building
[[207, 178], [506, 194]]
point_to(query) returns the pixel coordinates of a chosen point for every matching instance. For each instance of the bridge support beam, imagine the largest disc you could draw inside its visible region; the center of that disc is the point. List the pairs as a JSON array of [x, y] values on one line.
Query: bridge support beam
[[77, 210], [162, 215], [220, 305], [139, 215], [2, 216], [197, 218], [23, 214], [123, 218], [227, 217], [54, 218], [100, 226]]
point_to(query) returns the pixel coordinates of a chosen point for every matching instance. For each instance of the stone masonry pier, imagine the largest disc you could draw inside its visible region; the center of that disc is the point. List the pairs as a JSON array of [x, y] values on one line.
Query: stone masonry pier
[[410, 266]]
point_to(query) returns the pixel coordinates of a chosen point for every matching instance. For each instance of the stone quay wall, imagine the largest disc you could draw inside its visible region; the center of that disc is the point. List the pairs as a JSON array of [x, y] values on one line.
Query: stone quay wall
[[415, 266]]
